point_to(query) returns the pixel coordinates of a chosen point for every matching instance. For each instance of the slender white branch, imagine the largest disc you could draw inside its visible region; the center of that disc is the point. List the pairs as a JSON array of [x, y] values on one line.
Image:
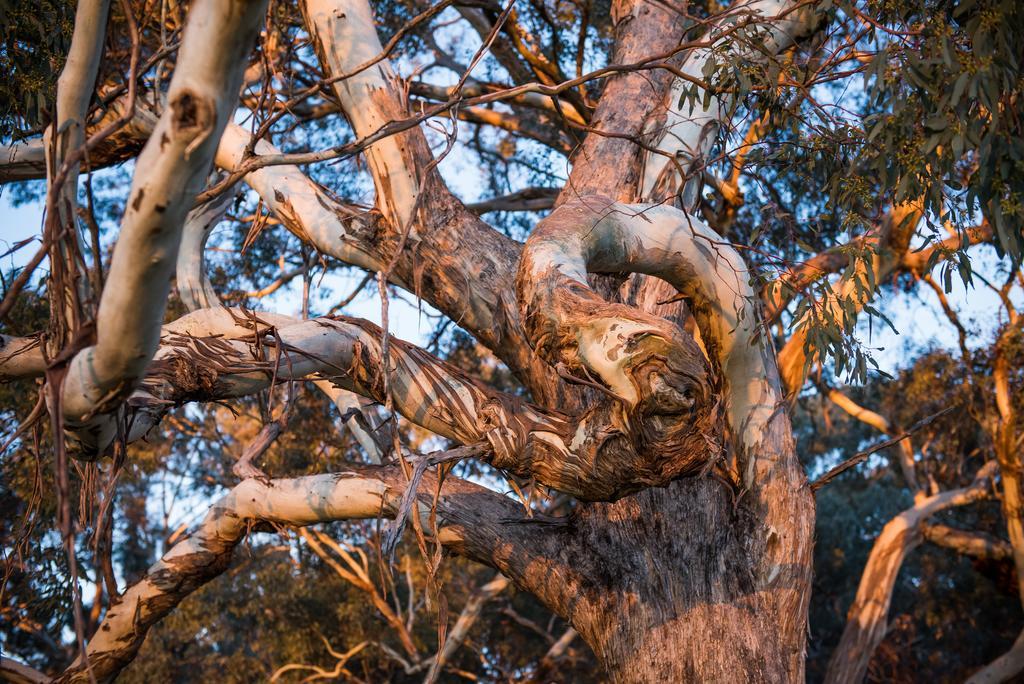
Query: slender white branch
[[194, 287], [206, 553], [866, 620], [74, 92], [1004, 668], [346, 38], [169, 174], [471, 517]]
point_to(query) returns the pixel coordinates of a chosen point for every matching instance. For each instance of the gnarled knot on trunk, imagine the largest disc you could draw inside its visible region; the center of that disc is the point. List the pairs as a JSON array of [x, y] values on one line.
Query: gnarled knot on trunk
[[659, 418]]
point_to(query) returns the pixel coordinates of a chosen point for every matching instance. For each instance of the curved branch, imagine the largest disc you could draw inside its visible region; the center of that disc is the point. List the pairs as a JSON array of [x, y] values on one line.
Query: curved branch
[[194, 288], [639, 357], [169, 174], [305, 208], [866, 620], [1004, 668], [472, 517]]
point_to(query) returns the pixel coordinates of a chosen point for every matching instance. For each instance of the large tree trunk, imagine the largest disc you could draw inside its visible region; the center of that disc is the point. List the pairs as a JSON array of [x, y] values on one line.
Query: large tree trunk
[[685, 596], [707, 579], [693, 560]]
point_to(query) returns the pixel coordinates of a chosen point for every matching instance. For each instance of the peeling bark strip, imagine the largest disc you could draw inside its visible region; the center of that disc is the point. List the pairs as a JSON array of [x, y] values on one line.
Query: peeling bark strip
[[169, 174], [706, 560], [598, 455], [470, 512]]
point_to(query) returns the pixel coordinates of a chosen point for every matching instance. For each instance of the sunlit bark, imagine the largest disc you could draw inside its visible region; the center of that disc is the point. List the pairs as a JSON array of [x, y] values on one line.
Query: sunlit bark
[[470, 513], [169, 173], [866, 621], [683, 139]]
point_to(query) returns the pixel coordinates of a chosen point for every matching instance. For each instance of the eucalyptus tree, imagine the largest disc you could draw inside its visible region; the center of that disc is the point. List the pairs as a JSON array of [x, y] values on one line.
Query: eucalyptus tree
[[715, 196]]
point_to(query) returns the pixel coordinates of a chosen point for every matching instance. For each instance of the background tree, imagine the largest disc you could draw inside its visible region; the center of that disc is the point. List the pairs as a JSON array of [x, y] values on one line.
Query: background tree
[[595, 465]]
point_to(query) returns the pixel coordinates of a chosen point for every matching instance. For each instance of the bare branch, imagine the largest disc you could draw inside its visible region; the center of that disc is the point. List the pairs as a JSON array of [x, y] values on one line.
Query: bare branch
[[528, 199], [968, 542], [169, 173], [866, 620], [1004, 668], [471, 512]]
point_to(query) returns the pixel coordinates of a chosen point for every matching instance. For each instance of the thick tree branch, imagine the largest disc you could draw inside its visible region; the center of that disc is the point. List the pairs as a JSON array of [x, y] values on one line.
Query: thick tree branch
[[611, 164], [473, 520], [346, 37], [169, 173], [571, 325], [969, 543]]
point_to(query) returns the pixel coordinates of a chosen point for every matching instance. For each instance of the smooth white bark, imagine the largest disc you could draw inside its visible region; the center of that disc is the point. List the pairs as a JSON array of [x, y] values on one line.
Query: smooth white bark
[[304, 207], [74, 92], [194, 287], [348, 38], [169, 174], [203, 554], [866, 620]]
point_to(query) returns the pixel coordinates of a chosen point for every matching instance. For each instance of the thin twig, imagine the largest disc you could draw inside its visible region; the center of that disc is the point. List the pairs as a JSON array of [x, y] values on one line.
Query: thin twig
[[861, 456]]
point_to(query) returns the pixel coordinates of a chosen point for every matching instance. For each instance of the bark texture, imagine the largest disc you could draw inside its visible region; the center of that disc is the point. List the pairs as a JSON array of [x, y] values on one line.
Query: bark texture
[[170, 172], [688, 556]]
